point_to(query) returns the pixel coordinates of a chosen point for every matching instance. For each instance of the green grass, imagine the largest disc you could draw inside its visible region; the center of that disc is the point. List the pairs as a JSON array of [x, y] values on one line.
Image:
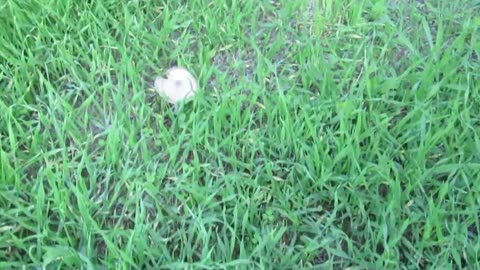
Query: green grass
[[327, 135]]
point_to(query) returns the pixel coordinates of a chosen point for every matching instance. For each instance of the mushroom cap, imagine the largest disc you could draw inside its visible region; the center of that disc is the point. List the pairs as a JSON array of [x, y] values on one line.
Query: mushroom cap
[[179, 85]]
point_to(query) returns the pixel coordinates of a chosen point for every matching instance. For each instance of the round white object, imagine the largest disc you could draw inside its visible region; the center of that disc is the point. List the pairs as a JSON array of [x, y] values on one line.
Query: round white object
[[178, 86]]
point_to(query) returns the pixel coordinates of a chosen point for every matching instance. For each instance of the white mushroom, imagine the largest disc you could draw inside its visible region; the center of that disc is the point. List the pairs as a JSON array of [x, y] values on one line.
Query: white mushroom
[[178, 86]]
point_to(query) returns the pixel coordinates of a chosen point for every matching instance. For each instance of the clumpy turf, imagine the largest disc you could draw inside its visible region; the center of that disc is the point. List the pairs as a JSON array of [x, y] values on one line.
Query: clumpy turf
[[327, 135]]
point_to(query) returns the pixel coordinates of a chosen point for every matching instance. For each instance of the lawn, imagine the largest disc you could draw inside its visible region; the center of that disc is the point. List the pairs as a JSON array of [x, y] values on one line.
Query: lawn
[[325, 135]]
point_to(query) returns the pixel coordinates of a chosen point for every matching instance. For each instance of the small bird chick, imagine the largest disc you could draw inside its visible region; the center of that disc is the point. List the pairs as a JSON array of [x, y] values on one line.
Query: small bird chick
[[178, 86]]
